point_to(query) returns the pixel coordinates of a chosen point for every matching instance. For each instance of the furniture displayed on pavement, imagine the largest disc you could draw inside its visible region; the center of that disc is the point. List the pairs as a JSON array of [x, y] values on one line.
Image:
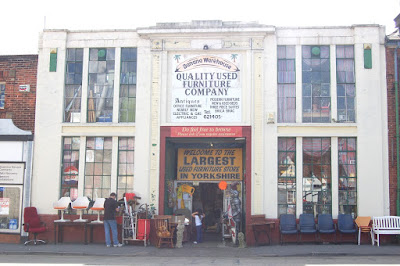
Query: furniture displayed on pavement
[[80, 204], [98, 206], [326, 225], [346, 225], [164, 234], [59, 230], [61, 205], [363, 224], [288, 226], [307, 225], [32, 224], [384, 225], [261, 227]]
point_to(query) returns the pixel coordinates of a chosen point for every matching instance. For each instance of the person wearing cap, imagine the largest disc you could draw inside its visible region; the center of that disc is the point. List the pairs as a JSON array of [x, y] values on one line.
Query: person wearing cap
[[110, 208]]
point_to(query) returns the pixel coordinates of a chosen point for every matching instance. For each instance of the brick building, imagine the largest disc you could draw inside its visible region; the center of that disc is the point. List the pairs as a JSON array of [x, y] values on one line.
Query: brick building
[[15, 102], [392, 77], [17, 123]]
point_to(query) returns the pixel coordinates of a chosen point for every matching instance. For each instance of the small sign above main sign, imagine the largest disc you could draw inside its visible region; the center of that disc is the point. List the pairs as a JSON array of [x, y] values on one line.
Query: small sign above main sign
[[25, 88], [206, 132]]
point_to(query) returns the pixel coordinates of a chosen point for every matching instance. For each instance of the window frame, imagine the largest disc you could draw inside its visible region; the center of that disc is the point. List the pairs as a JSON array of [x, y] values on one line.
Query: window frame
[[73, 115], [347, 178], [316, 84], [90, 171], [346, 87], [128, 187], [283, 141], [128, 82], [314, 206]]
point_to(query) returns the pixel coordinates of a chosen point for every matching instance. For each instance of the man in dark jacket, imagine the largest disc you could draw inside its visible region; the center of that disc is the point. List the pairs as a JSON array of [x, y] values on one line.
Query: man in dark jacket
[[110, 207]]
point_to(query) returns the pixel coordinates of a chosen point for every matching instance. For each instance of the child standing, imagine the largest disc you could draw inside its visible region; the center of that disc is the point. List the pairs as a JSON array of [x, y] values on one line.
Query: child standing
[[198, 216]]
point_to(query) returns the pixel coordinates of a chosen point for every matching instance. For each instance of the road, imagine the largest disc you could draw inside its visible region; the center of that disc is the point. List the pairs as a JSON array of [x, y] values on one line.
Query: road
[[120, 260]]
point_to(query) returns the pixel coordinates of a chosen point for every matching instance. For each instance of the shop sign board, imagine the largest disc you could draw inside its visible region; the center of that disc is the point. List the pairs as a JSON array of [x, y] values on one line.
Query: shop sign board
[[206, 132], [12, 173], [4, 206], [206, 88], [210, 164]]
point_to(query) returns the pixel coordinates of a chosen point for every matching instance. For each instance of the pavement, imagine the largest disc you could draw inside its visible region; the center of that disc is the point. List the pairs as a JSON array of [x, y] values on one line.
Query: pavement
[[210, 249]]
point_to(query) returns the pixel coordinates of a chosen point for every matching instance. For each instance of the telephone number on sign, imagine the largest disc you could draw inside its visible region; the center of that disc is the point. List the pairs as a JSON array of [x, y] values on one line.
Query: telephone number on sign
[[212, 116]]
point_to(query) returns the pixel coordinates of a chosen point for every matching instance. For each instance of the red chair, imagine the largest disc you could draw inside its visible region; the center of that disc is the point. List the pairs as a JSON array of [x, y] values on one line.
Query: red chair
[[32, 224]]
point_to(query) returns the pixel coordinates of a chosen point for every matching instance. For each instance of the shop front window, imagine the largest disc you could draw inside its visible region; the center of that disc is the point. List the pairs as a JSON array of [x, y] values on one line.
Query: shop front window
[[98, 167], [70, 167], [126, 148], [347, 148], [10, 208], [317, 194], [286, 176]]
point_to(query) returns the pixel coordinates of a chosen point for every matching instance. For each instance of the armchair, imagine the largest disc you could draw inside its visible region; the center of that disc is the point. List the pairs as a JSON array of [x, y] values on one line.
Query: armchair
[[32, 224]]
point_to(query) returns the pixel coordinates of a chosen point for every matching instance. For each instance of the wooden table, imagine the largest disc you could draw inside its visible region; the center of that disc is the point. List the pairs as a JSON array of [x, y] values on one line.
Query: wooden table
[[91, 226], [262, 227], [59, 232]]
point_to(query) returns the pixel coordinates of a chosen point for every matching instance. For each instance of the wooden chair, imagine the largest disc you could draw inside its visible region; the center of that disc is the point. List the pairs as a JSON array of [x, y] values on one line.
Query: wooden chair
[[164, 234], [363, 223]]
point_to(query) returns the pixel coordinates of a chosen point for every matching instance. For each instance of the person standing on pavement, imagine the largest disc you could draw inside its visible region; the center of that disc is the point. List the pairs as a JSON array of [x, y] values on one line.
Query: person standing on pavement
[[110, 208], [198, 216]]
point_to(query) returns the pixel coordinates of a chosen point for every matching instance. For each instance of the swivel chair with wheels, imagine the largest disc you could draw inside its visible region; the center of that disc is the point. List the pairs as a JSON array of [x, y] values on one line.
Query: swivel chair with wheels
[[32, 224]]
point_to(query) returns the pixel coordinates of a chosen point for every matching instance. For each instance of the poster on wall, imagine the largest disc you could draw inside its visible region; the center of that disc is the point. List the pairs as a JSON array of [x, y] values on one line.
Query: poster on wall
[[12, 173], [206, 88], [4, 206], [210, 164]]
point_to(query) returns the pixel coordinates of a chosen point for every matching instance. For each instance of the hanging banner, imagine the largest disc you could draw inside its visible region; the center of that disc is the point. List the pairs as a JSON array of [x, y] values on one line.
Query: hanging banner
[[210, 164], [206, 88]]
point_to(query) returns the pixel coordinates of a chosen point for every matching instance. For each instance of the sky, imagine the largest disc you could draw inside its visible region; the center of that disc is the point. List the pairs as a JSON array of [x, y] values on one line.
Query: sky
[[22, 20]]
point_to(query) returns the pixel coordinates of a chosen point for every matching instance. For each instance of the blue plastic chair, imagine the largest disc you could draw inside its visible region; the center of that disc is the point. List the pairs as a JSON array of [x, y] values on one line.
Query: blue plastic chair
[[326, 225], [346, 225], [288, 226], [307, 224]]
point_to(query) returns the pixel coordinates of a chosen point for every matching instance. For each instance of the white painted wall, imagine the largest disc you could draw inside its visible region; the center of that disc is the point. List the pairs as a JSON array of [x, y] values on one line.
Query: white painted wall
[[370, 128]]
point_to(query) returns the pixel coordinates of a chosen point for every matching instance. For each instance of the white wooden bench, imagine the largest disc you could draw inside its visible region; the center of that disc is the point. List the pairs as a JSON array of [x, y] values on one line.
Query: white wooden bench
[[385, 225]]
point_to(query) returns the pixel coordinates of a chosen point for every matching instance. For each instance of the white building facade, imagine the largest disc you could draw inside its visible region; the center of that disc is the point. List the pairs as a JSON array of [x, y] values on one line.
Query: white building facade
[[294, 119]]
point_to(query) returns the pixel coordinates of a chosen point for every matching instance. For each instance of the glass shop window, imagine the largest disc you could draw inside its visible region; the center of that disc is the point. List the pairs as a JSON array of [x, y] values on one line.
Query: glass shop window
[[10, 208]]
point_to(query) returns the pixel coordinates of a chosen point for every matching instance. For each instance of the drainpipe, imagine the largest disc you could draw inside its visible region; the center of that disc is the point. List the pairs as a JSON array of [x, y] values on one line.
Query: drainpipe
[[396, 89]]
